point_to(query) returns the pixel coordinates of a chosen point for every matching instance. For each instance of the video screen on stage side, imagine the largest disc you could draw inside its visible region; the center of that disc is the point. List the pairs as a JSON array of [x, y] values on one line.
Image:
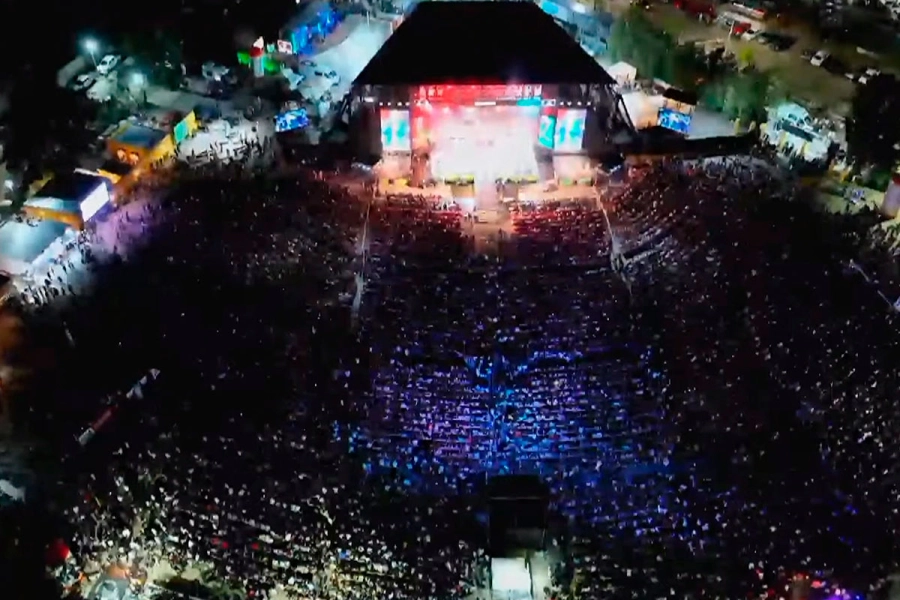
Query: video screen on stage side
[[569, 135], [547, 130], [674, 120], [395, 130], [291, 120]]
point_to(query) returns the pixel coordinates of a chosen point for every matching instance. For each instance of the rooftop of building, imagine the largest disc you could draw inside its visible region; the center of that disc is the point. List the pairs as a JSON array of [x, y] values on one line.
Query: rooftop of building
[[73, 187], [139, 136], [481, 42], [25, 241]]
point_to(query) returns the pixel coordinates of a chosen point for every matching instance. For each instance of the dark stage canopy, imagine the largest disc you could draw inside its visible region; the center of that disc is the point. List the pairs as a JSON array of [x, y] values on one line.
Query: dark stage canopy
[[481, 42]]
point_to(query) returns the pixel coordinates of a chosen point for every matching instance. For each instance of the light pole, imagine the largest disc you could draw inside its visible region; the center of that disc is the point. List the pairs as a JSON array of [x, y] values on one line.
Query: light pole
[[140, 82], [91, 46]]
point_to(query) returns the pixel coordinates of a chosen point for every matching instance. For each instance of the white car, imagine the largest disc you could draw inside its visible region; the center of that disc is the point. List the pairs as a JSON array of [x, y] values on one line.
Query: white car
[[83, 82], [819, 57], [108, 63], [868, 75]]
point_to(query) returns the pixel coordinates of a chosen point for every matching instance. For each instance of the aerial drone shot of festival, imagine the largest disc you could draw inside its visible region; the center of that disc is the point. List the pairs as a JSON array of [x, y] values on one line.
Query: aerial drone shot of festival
[[410, 303]]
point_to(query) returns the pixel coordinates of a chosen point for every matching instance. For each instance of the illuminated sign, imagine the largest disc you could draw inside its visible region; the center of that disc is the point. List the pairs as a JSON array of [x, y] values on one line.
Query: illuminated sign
[[259, 43], [395, 130], [469, 94], [291, 120], [182, 131], [284, 47], [674, 120], [94, 202]]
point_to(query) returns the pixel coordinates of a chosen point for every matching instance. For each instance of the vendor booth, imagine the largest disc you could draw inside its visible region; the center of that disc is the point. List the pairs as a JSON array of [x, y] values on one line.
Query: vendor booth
[[140, 147], [624, 74], [72, 199], [135, 145]]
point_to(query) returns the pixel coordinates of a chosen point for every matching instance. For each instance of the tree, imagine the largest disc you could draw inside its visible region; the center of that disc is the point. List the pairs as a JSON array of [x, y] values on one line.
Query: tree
[[746, 57], [687, 67], [619, 40], [157, 54], [634, 39], [46, 127], [653, 52], [743, 95], [872, 129]]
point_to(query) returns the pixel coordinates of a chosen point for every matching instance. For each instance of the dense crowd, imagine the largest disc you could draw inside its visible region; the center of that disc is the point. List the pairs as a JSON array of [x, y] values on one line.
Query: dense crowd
[[684, 362]]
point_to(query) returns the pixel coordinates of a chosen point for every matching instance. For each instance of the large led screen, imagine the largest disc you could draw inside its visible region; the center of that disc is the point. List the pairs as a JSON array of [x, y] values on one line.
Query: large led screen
[[547, 127], [291, 120], [94, 201], [569, 130], [395, 134], [674, 120]]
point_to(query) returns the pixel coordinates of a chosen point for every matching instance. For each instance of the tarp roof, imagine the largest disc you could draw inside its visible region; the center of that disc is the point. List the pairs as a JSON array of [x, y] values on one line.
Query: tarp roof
[[139, 136], [489, 42], [23, 242]]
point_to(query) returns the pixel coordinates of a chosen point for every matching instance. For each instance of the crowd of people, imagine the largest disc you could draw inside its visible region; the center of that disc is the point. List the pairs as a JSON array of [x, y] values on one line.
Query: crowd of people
[[685, 364]]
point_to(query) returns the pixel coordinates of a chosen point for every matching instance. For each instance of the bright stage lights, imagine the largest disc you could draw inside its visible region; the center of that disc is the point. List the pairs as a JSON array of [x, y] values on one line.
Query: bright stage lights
[[91, 45], [94, 202]]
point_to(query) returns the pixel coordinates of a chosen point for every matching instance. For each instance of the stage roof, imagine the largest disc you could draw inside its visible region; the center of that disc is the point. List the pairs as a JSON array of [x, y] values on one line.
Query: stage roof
[[481, 42]]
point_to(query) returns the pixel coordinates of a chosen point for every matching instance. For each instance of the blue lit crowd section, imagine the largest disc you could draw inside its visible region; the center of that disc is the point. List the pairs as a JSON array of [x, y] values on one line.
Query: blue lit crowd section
[[573, 402]]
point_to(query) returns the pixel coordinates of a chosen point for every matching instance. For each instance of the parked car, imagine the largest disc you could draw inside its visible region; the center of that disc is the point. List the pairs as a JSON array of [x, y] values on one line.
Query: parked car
[[868, 75], [84, 81], [819, 58], [101, 91], [108, 63], [779, 42], [214, 72]]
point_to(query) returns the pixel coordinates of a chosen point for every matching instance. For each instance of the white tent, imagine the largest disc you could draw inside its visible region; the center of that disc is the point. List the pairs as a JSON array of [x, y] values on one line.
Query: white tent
[[623, 73]]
